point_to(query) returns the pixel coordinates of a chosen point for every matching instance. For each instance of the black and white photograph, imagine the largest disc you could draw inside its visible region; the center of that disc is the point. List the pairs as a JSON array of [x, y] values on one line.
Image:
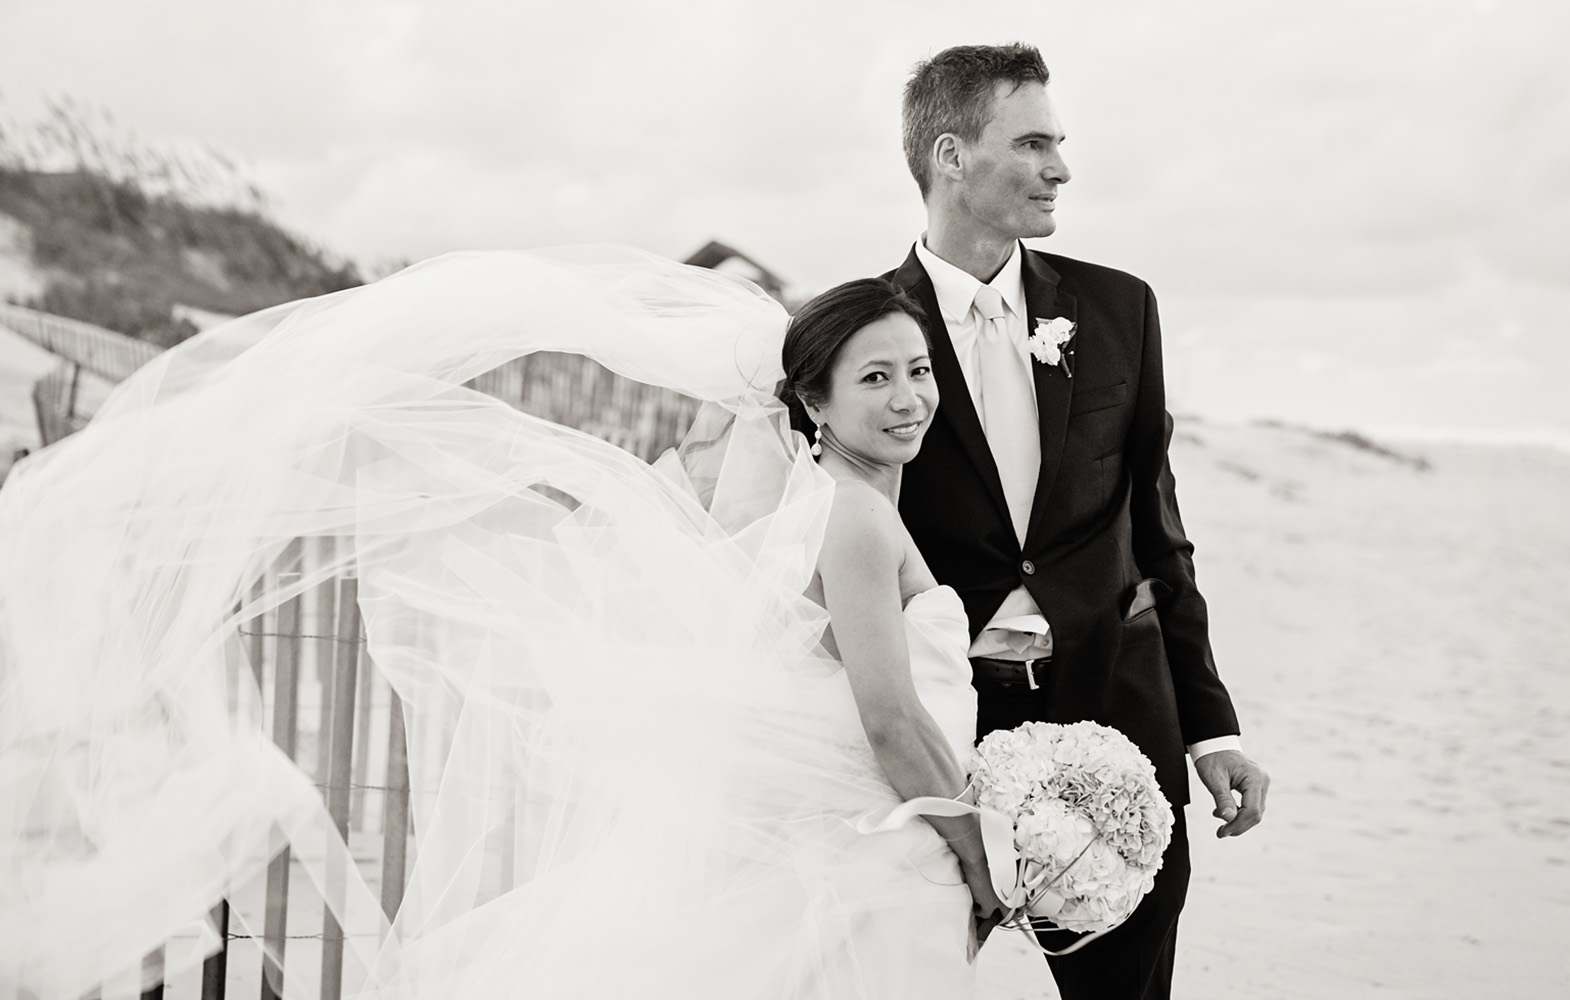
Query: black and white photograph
[[734, 500]]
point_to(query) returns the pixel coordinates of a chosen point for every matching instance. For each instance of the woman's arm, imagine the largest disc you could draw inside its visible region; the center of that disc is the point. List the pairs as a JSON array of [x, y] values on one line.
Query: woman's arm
[[860, 568]]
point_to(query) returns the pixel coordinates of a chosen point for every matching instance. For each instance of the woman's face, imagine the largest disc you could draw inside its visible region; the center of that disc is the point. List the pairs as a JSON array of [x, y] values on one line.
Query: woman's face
[[881, 393]]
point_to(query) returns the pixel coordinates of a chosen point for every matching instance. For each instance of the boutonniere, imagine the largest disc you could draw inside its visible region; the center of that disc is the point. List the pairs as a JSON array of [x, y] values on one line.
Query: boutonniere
[[1049, 339]]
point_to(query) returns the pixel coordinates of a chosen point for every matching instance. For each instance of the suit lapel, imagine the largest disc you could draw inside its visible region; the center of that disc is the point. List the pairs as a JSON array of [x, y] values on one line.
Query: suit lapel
[[955, 404], [1054, 389]]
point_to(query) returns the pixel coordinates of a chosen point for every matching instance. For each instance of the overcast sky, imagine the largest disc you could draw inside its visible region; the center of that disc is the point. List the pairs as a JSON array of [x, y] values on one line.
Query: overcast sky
[[1242, 146]]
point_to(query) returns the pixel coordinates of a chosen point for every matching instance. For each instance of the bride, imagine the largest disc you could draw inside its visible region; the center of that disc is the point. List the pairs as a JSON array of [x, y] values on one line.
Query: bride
[[679, 692]]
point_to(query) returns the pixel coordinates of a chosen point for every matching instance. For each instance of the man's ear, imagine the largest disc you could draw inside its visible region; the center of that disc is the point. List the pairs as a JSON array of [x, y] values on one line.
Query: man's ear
[[948, 159]]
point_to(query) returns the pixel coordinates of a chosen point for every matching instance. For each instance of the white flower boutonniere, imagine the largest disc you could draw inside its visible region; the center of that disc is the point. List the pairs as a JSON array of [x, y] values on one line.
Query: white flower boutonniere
[[1047, 342]]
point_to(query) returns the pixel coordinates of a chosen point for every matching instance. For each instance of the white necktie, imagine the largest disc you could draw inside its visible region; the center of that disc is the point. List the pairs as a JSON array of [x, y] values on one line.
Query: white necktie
[[1008, 408]]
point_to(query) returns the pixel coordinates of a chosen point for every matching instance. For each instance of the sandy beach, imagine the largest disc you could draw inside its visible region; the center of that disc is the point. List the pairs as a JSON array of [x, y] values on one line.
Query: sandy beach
[[1396, 639], [1392, 629], [1391, 621]]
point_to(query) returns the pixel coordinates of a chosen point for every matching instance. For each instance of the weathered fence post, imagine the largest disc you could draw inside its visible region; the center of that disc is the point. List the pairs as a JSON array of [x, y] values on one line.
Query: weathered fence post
[[76, 388], [362, 740], [155, 991], [324, 650], [286, 703], [395, 811], [256, 646], [339, 772], [215, 971]]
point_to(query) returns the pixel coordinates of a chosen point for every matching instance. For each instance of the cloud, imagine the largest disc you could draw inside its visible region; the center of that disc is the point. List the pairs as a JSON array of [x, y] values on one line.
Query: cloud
[[1230, 147]]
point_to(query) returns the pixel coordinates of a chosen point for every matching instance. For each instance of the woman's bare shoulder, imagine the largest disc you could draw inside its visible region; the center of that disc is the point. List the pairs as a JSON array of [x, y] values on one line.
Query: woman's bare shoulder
[[863, 527]]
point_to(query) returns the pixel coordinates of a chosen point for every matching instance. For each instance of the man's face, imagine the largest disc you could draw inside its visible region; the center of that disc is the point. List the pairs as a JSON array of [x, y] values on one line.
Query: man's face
[[1013, 171]]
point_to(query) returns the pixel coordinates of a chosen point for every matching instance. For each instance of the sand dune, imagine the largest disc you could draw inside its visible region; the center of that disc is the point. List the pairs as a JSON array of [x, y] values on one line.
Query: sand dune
[[1398, 644]]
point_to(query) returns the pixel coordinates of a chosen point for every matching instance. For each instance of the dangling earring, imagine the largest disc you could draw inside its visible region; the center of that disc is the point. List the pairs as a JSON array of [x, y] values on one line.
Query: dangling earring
[[817, 441]]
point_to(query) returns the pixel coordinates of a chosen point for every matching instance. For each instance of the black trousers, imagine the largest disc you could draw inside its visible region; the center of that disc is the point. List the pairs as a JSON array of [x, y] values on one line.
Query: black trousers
[[1134, 961]]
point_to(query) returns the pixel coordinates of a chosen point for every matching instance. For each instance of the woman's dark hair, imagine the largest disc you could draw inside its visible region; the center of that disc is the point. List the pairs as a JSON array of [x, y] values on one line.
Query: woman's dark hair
[[821, 327]]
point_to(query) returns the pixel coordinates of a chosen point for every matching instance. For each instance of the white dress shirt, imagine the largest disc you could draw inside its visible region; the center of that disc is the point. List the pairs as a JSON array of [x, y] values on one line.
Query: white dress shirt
[[1019, 630]]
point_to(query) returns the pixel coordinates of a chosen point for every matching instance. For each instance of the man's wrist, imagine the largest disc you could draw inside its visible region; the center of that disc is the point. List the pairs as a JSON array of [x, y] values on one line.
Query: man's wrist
[[1216, 745]]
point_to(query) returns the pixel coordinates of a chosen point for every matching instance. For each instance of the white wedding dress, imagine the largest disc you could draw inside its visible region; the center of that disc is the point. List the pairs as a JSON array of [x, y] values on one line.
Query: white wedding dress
[[608, 671]]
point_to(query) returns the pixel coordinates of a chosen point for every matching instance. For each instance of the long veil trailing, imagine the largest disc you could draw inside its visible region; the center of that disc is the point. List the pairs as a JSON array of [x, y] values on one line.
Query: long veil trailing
[[623, 737]]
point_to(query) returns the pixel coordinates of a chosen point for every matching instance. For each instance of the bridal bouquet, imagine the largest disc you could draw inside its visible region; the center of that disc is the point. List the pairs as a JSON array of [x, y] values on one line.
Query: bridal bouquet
[[1090, 823]]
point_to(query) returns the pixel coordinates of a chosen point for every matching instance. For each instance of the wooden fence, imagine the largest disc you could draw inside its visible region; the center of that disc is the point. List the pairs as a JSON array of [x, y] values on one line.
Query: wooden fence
[[55, 403], [326, 705], [332, 714], [105, 353], [577, 392], [81, 347], [565, 388]]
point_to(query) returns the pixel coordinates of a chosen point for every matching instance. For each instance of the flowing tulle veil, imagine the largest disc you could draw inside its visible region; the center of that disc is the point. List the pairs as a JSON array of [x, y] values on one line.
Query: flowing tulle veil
[[605, 663]]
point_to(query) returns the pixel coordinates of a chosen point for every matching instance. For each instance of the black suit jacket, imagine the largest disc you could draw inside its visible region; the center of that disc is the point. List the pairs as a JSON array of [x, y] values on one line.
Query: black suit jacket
[[1105, 556]]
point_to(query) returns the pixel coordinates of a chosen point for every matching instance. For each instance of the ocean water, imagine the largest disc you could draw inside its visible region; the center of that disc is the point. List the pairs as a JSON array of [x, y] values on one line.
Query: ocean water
[[1486, 360]]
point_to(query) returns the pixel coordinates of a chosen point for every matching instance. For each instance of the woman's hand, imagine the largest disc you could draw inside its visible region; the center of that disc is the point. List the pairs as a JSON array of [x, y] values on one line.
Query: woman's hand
[[986, 901], [987, 910]]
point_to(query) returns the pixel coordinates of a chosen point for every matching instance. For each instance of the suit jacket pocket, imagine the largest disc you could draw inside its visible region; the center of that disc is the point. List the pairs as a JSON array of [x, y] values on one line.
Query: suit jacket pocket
[[1146, 594], [1100, 398]]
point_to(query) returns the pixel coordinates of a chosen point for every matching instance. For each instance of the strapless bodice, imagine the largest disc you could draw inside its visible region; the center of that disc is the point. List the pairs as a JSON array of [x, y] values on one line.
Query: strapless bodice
[[938, 635]]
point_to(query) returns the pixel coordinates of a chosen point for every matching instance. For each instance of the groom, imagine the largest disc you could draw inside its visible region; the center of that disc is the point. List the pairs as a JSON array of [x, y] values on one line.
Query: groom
[[1042, 492]]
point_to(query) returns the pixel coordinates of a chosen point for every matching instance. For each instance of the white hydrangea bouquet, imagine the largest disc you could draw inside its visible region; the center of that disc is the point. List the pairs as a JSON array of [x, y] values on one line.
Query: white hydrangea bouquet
[[1090, 822], [1075, 810]]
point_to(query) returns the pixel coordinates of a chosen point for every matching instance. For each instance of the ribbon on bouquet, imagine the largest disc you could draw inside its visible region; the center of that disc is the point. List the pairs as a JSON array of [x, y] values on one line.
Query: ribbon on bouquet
[[1009, 880], [997, 838]]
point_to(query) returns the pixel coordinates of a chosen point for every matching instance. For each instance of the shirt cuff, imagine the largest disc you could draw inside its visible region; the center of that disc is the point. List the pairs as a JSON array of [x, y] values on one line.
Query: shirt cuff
[[1203, 747]]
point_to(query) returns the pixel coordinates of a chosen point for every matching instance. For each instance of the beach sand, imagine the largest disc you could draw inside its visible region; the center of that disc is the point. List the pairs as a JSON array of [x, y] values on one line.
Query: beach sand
[[1393, 629], [1397, 643]]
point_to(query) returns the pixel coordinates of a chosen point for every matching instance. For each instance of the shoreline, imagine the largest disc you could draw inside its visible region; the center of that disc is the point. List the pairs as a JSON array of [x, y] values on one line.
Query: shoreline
[[1531, 438]]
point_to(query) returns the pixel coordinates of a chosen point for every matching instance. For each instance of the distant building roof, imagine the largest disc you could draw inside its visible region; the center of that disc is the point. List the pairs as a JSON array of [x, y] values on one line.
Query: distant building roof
[[721, 257]]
